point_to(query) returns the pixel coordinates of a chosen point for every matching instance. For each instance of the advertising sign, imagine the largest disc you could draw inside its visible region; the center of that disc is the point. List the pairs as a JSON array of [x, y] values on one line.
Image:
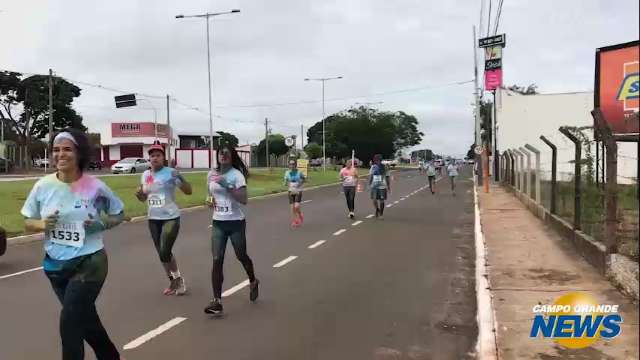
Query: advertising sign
[[140, 129], [617, 86], [492, 79], [303, 166], [494, 52]]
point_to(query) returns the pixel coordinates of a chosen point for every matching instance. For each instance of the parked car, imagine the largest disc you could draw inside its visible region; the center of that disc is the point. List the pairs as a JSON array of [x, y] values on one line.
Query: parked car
[[130, 166], [315, 162], [95, 165], [390, 163], [5, 164]]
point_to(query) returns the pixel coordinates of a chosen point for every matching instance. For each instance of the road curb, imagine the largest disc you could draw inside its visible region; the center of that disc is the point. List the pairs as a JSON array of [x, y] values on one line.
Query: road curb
[[486, 346]]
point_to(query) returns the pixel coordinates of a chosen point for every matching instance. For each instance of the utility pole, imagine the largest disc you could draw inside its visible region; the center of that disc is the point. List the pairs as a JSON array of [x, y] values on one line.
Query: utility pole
[[301, 137], [50, 104], [170, 134], [496, 156], [477, 109], [266, 139]]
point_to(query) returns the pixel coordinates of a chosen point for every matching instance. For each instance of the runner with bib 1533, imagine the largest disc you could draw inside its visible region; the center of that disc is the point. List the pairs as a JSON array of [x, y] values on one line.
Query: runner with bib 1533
[[67, 207]]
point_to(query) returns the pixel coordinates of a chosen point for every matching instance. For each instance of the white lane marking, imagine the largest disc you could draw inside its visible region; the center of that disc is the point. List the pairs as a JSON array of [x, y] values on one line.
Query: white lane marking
[[339, 232], [316, 244], [285, 261], [153, 333], [20, 273], [357, 223], [390, 205], [370, 216], [395, 202], [306, 201], [236, 288]]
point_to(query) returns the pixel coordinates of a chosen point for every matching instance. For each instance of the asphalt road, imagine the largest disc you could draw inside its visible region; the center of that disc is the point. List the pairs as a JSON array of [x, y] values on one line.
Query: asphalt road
[[398, 288]]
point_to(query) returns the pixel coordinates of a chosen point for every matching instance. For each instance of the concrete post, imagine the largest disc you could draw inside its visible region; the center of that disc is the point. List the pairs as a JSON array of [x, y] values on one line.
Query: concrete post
[[537, 170], [526, 153], [519, 169]]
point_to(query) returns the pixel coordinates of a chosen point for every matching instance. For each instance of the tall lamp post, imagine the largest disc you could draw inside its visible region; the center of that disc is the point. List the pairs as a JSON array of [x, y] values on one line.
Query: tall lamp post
[[324, 147], [206, 16]]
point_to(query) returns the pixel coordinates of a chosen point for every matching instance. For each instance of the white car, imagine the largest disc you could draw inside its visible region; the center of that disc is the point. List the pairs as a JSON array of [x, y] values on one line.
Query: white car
[[130, 166], [390, 163], [41, 163]]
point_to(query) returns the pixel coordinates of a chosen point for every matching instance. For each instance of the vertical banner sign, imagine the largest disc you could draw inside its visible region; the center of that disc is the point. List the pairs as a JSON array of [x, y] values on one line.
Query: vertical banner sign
[[492, 79], [617, 88], [303, 166]]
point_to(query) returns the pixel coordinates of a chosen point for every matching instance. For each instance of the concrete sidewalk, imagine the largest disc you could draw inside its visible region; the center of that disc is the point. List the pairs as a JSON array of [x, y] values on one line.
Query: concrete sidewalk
[[530, 264]]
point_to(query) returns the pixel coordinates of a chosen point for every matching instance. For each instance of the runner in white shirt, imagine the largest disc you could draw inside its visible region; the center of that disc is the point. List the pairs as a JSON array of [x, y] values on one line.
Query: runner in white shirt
[[227, 187], [431, 175], [452, 171]]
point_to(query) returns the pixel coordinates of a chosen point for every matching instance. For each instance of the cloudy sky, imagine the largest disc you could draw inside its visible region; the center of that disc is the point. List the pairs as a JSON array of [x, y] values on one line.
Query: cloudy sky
[[262, 55]]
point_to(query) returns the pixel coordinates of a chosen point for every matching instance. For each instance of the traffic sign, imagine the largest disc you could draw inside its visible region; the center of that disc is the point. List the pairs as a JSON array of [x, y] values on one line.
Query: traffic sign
[[125, 100], [500, 40], [289, 141]]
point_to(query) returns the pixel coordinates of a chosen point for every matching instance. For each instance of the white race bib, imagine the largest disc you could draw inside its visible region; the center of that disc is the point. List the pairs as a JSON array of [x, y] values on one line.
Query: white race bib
[[223, 207], [156, 200], [377, 178], [69, 234]]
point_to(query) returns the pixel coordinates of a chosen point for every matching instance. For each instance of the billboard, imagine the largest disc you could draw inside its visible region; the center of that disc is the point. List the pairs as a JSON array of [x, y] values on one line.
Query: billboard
[[617, 86], [139, 129]]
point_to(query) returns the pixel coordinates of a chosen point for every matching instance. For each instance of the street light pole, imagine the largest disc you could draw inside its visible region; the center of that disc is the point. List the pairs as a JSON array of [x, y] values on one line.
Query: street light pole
[[324, 143], [206, 16]]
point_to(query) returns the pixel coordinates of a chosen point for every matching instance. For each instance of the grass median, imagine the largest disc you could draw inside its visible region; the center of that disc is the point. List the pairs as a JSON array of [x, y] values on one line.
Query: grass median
[[261, 182]]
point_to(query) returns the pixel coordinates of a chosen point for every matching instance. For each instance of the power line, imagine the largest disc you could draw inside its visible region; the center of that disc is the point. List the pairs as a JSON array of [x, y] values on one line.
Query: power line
[[495, 30]]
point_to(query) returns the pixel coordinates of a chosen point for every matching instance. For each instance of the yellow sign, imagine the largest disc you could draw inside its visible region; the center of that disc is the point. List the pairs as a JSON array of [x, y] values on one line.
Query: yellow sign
[[303, 165]]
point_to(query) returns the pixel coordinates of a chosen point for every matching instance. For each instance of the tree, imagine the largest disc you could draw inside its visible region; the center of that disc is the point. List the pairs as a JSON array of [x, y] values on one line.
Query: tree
[[471, 154], [532, 89], [313, 150], [226, 138], [368, 131], [277, 146], [24, 105]]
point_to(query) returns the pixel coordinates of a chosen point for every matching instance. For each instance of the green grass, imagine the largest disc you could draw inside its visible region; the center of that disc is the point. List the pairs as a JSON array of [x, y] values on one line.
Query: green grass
[[261, 182]]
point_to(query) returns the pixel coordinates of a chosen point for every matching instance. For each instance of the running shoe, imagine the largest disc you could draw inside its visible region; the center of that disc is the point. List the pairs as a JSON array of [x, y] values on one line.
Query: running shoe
[[171, 290], [214, 307], [181, 286], [253, 290], [351, 215]]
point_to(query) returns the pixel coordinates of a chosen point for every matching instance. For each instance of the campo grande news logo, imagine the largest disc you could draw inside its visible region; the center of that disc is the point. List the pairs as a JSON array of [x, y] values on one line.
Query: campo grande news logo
[[575, 320], [629, 92]]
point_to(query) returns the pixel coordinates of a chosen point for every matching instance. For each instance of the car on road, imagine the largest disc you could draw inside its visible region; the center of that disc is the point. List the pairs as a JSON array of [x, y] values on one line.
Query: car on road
[[390, 163], [130, 165]]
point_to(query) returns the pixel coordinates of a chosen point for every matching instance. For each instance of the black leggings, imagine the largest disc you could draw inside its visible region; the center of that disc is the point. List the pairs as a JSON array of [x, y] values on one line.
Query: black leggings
[[221, 233], [77, 287], [164, 234], [350, 195]]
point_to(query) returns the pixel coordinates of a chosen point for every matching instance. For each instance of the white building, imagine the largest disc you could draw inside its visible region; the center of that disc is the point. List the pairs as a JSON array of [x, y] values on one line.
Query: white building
[[523, 118]]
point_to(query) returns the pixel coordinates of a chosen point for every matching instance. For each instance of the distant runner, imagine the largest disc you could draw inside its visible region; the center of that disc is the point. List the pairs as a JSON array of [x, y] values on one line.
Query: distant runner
[[3, 241], [67, 207], [379, 184], [294, 180], [158, 188], [227, 186], [452, 170], [431, 175], [349, 177]]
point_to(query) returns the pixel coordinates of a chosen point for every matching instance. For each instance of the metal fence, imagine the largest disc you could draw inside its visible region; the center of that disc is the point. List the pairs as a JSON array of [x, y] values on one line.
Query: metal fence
[[575, 194]]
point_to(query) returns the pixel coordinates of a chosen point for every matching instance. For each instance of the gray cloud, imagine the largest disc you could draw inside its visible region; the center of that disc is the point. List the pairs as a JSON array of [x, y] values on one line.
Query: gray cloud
[[262, 54]]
